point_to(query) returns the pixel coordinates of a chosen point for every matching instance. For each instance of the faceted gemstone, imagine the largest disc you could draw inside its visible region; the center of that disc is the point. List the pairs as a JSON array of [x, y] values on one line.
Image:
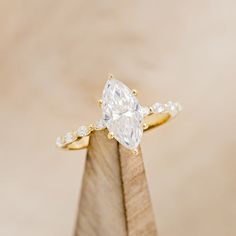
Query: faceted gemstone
[[83, 131], [122, 114], [69, 137], [99, 125], [60, 142], [158, 107], [173, 108]]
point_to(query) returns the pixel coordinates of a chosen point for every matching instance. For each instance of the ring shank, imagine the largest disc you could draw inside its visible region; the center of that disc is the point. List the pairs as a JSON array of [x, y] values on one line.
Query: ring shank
[[155, 120], [152, 121]]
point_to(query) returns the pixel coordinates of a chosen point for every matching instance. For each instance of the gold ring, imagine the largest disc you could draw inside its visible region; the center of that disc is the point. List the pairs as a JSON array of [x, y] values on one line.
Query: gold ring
[[123, 116]]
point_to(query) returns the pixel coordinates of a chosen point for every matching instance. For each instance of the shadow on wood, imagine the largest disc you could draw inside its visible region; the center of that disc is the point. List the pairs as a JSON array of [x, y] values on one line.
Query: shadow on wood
[[115, 200]]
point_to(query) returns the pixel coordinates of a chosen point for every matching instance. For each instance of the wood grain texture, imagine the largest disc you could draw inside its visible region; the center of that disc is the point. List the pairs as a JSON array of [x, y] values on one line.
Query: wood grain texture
[[114, 196], [139, 212]]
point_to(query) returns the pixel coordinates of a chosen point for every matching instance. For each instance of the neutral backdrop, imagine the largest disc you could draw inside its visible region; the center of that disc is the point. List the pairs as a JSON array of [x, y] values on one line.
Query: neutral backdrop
[[54, 60]]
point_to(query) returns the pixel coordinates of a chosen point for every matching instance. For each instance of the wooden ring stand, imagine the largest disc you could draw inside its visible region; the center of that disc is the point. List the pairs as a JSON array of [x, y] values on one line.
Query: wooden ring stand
[[115, 200]]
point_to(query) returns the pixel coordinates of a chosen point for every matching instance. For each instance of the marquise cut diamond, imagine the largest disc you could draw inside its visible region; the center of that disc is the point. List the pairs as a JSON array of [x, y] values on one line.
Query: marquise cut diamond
[[122, 113]]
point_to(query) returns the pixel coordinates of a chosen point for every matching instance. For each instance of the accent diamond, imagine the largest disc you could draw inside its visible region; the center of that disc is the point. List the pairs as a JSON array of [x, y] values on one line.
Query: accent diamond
[[158, 107], [99, 125], [69, 138], [60, 142], [83, 131], [172, 108], [122, 114]]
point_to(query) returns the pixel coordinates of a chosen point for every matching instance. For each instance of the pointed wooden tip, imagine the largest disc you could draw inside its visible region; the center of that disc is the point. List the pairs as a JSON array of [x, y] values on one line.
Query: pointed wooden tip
[[114, 197]]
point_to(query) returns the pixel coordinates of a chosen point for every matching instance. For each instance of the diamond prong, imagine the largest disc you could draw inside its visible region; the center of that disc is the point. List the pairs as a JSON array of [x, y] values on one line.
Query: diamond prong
[[145, 126], [135, 152], [134, 92], [110, 135], [100, 102], [110, 76], [151, 109], [91, 127]]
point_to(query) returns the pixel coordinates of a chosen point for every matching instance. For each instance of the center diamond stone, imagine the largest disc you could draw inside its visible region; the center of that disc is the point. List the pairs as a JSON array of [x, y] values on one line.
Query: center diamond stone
[[122, 114]]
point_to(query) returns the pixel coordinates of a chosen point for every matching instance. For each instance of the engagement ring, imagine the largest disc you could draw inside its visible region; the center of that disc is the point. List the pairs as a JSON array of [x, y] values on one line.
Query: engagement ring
[[123, 116]]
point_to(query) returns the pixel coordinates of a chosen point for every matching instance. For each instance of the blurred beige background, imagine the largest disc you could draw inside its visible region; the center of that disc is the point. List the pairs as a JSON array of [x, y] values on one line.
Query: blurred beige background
[[54, 59]]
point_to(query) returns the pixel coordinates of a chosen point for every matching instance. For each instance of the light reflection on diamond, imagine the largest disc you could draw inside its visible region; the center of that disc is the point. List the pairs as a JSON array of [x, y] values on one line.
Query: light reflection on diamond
[[122, 113]]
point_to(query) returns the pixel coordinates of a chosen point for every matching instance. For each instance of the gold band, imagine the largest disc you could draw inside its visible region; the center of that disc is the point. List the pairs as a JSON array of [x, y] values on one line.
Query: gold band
[[151, 121]]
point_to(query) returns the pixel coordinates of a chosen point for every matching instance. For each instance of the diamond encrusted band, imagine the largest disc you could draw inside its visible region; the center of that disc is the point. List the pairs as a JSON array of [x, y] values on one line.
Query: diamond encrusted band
[[123, 116]]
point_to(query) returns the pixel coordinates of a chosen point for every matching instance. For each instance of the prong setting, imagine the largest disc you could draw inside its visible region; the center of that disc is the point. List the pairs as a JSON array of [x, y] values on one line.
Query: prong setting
[[110, 135], [151, 110], [135, 152], [100, 102], [91, 127], [134, 92], [145, 126], [110, 76]]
